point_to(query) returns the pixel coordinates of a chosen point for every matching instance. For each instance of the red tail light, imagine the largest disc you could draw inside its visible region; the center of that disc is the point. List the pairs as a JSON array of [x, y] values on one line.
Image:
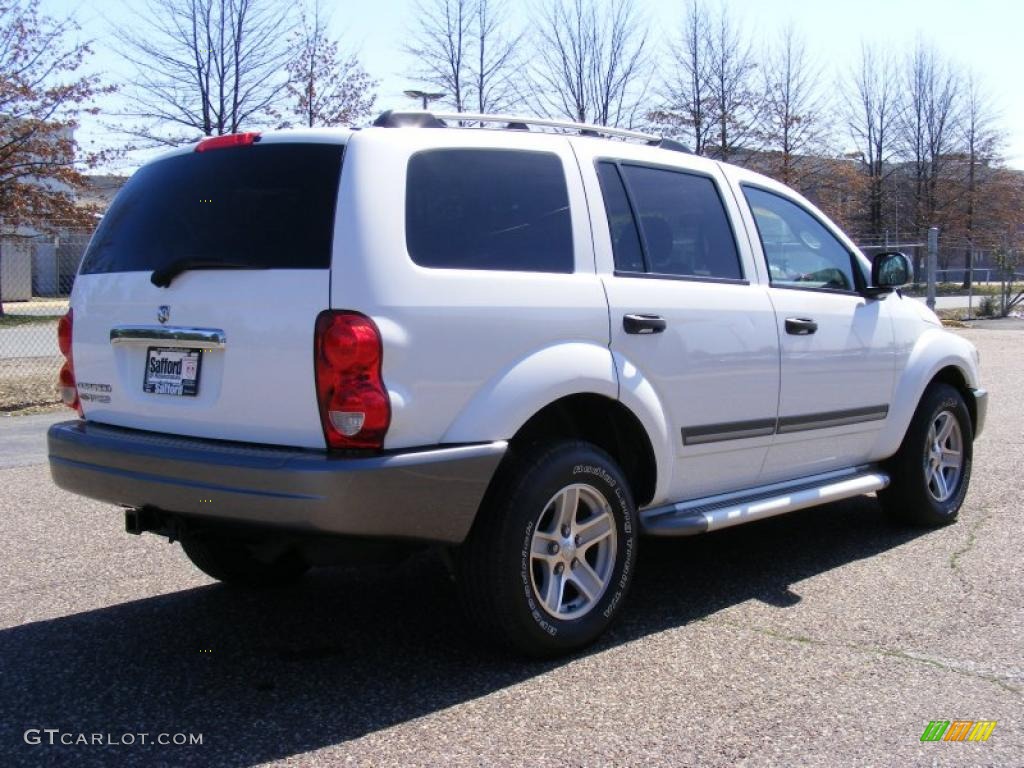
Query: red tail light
[[354, 407], [228, 140], [68, 387]]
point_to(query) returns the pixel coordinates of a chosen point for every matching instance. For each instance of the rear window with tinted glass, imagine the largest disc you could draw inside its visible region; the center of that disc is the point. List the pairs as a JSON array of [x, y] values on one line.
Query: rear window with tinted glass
[[268, 206], [488, 209]]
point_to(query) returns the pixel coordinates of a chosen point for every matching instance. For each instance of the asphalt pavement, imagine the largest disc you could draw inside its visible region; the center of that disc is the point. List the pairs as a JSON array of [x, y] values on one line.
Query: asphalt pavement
[[824, 638]]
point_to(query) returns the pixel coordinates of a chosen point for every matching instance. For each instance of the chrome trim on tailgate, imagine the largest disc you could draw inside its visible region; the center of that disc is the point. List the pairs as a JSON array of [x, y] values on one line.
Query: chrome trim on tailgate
[[169, 336]]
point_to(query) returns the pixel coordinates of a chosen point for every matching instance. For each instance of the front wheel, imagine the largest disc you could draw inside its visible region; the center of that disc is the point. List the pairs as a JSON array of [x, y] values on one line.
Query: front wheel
[[930, 473], [551, 556]]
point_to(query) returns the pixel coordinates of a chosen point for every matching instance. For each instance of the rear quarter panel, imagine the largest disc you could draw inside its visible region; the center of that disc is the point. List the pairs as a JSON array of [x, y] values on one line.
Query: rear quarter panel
[[456, 341]]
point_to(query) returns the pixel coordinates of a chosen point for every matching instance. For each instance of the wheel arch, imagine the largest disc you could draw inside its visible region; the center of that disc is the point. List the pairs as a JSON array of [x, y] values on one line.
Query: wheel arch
[[604, 422], [956, 378], [938, 356]]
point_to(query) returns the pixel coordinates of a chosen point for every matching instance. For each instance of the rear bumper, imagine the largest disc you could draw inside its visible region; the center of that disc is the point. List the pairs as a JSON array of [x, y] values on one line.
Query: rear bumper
[[430, 495], [980, 410]]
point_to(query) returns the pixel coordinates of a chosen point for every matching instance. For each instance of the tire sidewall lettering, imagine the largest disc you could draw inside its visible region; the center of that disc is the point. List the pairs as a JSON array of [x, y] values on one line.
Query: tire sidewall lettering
[[598, 478]]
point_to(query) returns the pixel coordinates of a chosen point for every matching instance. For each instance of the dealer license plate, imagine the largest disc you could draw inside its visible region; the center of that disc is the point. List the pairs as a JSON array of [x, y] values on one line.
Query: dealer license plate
[[172, 371]]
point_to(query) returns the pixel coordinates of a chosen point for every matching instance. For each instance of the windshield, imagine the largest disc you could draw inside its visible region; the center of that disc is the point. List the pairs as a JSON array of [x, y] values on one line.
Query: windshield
[[269, 206]]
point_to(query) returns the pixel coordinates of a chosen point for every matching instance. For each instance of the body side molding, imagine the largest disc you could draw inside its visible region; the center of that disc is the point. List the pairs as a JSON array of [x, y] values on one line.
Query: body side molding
[[741, 430]]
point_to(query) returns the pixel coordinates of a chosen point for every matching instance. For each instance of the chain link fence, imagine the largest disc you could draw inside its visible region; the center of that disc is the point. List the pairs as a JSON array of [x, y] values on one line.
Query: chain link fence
[[37, 272]]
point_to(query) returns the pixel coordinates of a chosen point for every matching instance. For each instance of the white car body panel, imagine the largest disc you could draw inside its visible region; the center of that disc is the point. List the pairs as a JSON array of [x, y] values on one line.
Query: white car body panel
[[849, 363], [452, 334], [258, 389], [717, 360], [925, 350]]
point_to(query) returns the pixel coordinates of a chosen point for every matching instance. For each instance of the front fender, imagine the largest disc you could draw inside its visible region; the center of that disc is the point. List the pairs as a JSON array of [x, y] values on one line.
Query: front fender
[[933, 350]]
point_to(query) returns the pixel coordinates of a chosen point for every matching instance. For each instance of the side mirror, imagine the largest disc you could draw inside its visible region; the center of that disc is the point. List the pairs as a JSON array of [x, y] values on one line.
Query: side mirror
[[889, 271]]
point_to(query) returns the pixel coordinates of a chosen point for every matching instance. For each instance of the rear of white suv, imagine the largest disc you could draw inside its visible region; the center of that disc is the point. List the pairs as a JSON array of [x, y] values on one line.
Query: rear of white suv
[[201, 277], [223, 395]]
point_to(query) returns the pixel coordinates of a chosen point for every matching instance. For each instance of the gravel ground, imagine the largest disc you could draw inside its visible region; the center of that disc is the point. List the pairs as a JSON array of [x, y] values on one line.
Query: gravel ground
[[825, 638]]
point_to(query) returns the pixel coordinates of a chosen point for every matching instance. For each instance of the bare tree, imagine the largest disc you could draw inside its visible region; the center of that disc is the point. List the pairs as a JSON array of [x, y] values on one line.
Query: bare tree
[[326, 87], [686, 91], [442, 35], [927, 128], [981, 137], [871, 111], [496, 58], [464, 49], [591, 61], [204, 66], [730, 70], [42, 94], [792, 109]]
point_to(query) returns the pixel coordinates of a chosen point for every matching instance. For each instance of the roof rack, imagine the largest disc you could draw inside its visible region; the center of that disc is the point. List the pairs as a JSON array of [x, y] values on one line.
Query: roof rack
[[420, 119]]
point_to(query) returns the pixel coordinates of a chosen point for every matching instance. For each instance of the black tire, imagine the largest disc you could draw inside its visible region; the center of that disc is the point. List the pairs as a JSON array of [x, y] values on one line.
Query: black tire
[[500, 579], [908, 499], [233, 562]]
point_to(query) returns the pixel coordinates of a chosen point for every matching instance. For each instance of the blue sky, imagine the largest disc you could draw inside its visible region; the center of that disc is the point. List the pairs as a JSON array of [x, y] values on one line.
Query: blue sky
[[984, 35]]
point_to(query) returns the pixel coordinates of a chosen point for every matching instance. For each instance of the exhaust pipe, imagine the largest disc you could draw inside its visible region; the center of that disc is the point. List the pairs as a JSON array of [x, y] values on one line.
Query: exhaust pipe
[[138, 521]]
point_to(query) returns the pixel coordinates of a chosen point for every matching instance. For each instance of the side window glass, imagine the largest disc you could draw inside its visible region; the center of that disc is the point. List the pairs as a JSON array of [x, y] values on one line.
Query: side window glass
[[629, 255], [800, 251], [685, 227], [488, 209]]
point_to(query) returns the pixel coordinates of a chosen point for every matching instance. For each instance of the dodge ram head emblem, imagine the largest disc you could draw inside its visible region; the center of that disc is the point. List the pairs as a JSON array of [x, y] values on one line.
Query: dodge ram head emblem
[[163, 313]]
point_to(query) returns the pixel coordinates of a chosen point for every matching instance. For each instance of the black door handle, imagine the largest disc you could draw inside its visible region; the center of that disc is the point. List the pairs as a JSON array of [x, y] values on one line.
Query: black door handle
[[800, 326], [643, 323]]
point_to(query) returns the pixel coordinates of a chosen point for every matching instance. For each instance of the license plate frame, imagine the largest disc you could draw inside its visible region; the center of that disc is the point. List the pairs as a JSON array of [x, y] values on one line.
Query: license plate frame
[[162, 379]]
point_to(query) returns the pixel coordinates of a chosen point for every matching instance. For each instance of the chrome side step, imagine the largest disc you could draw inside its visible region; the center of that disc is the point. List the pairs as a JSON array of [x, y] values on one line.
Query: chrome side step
[[688, 518]]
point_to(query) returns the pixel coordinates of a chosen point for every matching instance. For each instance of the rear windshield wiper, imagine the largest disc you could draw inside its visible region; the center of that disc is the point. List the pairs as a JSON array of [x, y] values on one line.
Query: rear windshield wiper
[[163, 276]]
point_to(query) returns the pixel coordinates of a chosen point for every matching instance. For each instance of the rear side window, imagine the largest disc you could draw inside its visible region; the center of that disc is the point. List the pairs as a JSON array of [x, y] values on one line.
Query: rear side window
[[488, 209], [629, 253], [685, 228], [269, 206]]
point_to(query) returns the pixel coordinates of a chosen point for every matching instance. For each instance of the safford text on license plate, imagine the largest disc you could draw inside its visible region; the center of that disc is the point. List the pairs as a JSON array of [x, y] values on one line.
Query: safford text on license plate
[[172, 371]]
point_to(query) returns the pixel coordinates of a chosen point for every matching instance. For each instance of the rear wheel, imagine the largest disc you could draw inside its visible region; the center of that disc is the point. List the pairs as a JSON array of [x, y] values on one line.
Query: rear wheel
[[932, 469], [234, 562], [550, 559]]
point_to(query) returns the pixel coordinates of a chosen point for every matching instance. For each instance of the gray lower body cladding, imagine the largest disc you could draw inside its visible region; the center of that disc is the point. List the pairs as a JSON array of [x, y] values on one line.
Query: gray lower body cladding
[[980, 410], [429, 495]]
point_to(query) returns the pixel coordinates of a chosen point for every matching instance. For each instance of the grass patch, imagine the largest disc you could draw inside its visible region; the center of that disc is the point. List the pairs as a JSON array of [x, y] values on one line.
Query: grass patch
[[13, 321], [952, 289], [28, 383]]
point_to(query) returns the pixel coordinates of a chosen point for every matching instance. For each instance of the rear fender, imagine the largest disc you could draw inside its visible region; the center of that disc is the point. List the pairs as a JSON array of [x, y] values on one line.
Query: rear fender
[[506, 402]]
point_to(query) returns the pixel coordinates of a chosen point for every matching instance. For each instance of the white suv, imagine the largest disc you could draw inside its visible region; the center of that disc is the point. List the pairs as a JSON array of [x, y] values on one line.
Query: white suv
[[528, 342]]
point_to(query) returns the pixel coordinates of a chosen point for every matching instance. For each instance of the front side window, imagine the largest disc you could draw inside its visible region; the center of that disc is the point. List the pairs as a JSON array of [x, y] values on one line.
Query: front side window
[[800, 251], [685, 229], [488, 209]]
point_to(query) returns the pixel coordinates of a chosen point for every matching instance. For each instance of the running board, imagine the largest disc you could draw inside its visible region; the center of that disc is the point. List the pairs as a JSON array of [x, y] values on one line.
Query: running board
[[688, 518]]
